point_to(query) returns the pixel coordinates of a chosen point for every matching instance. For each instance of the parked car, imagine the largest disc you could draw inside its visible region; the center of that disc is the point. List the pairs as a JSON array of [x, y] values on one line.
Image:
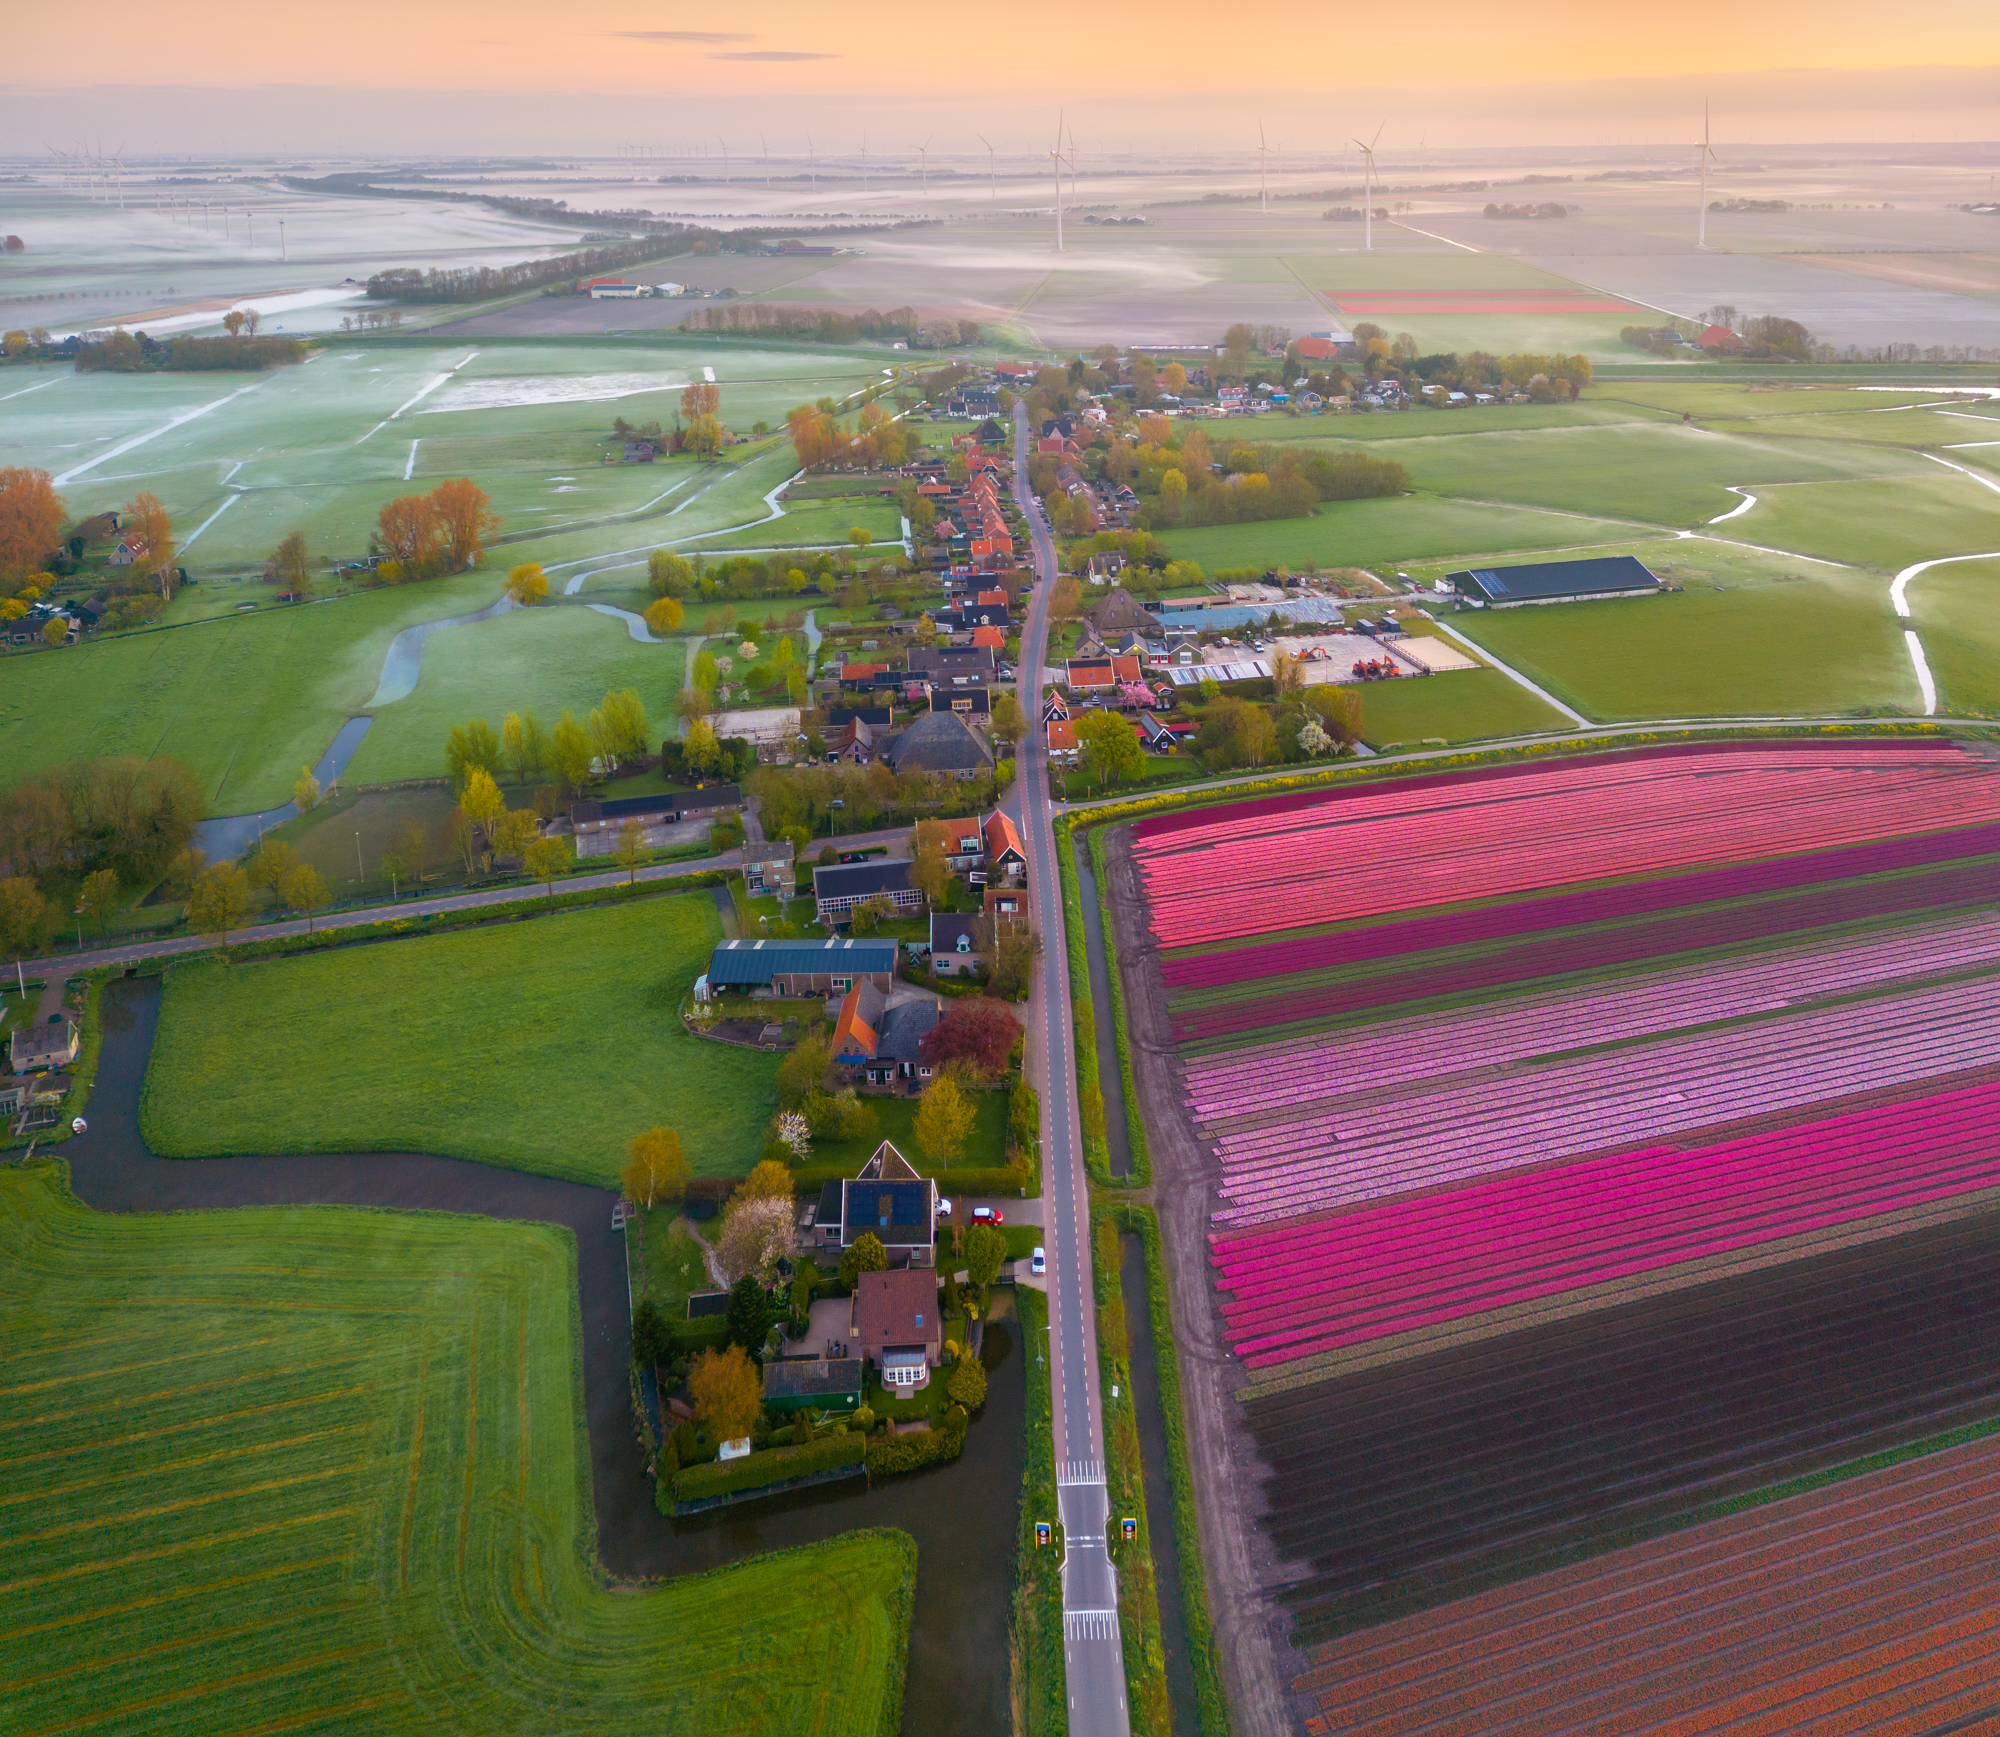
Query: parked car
[[944, 1207], [1038, 1262], [987, 1215]]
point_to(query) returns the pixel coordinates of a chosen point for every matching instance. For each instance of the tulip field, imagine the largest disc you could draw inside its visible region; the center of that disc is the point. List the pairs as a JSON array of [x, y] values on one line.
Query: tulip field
[[1587, 1142]]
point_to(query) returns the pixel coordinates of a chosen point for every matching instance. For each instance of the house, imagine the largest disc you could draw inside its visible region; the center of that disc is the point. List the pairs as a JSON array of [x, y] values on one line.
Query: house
[[1105, 566], [800, 968], [1101, 674], [856, 1033], [52, 1044], [640, 452], [1007, 904], [129, 550], [875, 717], [895, 1205], [1711, 338], [965, 843], [895, 1325], [966, 702], [939, 742], [961, 944], [993, 638], [1118, 611], [954, 666], [1004, 857], [1062, 742], [814, 1383], [898, 1047], [991, 433], [768, 869], [32, 1091], [854, 743], [838, 888], [1054, 706]]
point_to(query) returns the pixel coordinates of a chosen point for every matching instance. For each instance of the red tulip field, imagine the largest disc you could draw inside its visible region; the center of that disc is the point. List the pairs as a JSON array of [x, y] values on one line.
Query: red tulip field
[[1589, 1143]]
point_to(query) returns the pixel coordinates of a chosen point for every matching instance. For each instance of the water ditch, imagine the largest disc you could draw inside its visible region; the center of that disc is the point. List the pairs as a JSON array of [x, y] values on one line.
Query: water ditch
[[228, 836], [1110, 1081], [962, 1515]]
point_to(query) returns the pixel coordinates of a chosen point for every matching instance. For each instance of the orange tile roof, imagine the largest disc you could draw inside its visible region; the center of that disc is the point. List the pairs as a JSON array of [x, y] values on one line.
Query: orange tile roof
[[1062, 736], [1001, 836], [991, 636], [853, 1024]]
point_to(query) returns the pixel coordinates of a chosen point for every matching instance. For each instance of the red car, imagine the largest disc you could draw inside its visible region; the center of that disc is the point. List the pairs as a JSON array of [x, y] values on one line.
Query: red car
[[987, 1215]]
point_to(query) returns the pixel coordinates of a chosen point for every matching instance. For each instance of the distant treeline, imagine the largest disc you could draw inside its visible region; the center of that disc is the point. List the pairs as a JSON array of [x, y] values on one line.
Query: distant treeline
[[135, 353], [828, 325], [478, 283]]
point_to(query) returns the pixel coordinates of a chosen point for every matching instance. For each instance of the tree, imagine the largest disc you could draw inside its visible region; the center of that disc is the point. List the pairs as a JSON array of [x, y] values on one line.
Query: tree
[[55, 631], [291, 565], [232, 322], [465, 520], [544, 859], [99, 896], [273, 861], [1006, 720], [631, 847], [728, 1393], [619, 726], [652, 1339], [966, 1385], [1015, 951], [749, 1315], [1287, 673], [985, 1252], [795, 1135], [1173, 494], [1066, 600], [664, 615], [181, 872], [26, 918], [766, 1181], [944, 1119], [146, 521], [521, 741], [570, 753], [1314, 741], [869, 915], [31, 521], [219, 901], [469, 747], [482, 802], [978, 1031], [655, 1167], [528, 585], [930, 872], [757, 1235], [804, 1070], [701, 752], [860, 537], [668, 574], [865, 1255], [1110, 747], [410, 536], [305, 791], [304, 889], [1339, 709], [413, 846]]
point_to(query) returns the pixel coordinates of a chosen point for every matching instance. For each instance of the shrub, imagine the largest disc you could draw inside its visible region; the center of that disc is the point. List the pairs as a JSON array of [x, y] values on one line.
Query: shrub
[[652, 1337], [769, 1466], [909, 1453], [967, 1385]]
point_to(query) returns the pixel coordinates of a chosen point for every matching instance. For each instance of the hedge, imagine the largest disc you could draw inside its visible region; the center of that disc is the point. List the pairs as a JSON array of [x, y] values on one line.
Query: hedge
[[909, 1453], [1211, 1703], [710, 1333], [768, 1466]]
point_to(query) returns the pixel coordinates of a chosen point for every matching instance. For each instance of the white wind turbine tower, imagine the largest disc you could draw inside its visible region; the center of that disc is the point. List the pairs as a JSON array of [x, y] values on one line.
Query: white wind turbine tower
[[812, 163], [765, 144], [1072, 169], [1057, 156], [1368, 203], [725, 160], [1707, 157], [1263, 154], [992, 174], [924, 160]]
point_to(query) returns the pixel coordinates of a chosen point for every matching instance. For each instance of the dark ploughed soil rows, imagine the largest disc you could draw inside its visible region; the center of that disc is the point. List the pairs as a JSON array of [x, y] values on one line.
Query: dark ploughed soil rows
[[1405, 1486]]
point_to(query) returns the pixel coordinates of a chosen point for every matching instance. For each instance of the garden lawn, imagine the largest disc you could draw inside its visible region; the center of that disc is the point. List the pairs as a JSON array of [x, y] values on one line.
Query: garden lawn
[[896, 1119], [673, 1261], [1461, 706], [544, 1044], [322, 1468], [1823, 644]]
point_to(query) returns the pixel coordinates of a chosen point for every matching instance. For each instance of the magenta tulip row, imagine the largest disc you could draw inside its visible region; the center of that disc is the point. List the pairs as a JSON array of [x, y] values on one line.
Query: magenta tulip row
[[1258, 962], [1395, 1268], [1305, 1071], [1428, 1134], [1537, 957], [1375, 857]]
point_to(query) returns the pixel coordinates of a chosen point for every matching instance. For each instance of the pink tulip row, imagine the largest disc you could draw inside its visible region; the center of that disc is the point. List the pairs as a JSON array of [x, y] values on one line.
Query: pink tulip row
[[1359, 1276], [1367, 1146], [1350, 947], [1309, 1070], [1400, 850]]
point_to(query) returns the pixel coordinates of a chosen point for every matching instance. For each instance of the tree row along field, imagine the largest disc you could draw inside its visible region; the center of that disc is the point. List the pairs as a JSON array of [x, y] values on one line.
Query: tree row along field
[[1603, 1139], [279, 1468]]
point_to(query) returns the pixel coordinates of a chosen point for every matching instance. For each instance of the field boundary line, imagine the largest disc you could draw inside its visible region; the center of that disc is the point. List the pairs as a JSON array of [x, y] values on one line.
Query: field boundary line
[[72, 1528], [1462, 246], [103, 1611]]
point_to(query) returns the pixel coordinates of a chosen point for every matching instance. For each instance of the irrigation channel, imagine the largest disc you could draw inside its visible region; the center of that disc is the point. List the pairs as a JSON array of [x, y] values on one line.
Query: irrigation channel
[[1110, 1081], [962, 1516]]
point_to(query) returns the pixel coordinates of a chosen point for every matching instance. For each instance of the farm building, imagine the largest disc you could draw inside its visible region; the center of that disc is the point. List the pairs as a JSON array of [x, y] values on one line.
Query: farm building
[[52, 1044], [659, 810], [838, 889], [1555, 581], [814, 1383], [800, 968], [938, 741]]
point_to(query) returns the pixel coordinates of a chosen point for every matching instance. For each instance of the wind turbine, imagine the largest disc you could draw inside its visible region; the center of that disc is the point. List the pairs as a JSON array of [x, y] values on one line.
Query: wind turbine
[[1263, 152], [992, 175], [1072, 169], [924, 159], [1368, 205], [1707, 156], [766, 146], [1056, 154], [725, 160], [812, 164]]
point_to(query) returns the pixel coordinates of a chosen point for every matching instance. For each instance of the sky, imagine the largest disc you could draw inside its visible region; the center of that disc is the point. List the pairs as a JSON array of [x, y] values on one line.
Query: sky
[[487, 72]]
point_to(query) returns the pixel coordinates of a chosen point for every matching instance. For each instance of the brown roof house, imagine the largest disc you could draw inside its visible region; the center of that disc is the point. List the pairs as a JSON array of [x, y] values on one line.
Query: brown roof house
[[895, 1323]]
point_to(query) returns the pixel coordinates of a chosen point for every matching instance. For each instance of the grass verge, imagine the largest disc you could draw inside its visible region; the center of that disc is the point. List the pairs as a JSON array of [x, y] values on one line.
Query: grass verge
[[1041, 1699], [1135, 1126]]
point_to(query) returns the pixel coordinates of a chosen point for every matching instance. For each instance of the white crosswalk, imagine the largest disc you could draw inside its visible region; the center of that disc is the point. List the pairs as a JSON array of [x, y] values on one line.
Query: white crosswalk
[[1090, 1624], [1080, 1472]]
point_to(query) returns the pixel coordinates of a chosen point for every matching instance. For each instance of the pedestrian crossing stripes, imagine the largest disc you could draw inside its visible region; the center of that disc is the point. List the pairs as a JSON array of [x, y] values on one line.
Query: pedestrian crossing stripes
[[1090, 1624], [1080, 1472]]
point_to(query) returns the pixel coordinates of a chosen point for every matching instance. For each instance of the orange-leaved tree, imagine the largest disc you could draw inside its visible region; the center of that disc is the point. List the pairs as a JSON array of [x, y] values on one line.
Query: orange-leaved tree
[[728, 1392], [410, 535], [146, 522], [31, 520], [466, 521]]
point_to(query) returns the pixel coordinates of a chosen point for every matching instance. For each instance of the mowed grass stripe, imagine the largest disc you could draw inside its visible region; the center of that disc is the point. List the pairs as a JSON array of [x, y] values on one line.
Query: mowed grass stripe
[[137, 1401], [259, 1572]]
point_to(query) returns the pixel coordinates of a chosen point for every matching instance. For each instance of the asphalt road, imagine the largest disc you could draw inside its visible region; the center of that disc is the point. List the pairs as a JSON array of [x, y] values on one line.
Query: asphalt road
[[1093, 1653]]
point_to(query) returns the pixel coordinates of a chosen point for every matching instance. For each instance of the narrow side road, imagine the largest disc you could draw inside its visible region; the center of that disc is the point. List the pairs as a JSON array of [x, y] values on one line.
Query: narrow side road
[[1093, 1652]]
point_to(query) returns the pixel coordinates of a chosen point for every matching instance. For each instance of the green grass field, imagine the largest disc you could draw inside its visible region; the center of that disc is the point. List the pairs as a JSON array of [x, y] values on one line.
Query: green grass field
[[1957, 612], [1823, 644], [544, 1045], [325, 1469], [1461, 706]]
